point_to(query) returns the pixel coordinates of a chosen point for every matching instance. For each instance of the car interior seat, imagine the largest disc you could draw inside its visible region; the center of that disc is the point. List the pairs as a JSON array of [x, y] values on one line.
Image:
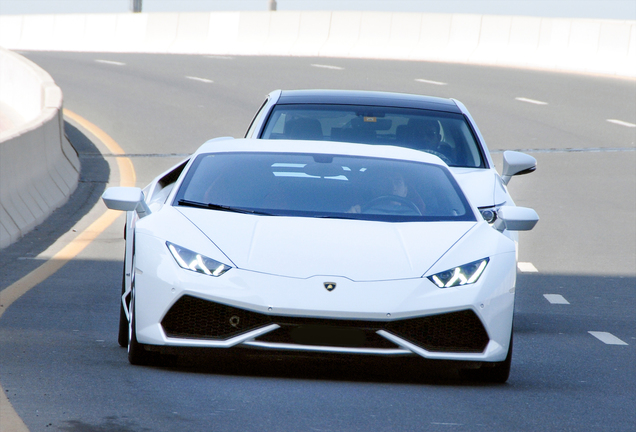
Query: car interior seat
[[304, 129]]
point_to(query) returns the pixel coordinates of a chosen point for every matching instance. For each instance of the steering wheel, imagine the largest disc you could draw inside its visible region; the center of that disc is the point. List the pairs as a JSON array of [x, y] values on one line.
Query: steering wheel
[[442, 156], [388, 199]]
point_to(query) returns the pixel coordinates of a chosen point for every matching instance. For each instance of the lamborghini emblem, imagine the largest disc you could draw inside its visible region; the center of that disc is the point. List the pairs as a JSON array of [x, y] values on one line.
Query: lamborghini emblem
[[330, 286]]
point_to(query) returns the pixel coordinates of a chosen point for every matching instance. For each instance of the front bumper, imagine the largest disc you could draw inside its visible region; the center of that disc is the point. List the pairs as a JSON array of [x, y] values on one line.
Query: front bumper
[[176, 307]]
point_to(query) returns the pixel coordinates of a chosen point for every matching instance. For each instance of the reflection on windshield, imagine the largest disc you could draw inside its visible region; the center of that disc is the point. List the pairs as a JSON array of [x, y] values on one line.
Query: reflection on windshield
[[445, 135], [292, 184]]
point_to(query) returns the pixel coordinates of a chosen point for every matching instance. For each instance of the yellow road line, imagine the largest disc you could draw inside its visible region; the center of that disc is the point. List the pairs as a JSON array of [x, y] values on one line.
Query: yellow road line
[[10, 421], [126, 169]]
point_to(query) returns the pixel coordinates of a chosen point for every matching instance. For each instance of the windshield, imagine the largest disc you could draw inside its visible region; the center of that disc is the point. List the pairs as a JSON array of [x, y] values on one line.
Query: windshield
[[317, 185], [446, 135]]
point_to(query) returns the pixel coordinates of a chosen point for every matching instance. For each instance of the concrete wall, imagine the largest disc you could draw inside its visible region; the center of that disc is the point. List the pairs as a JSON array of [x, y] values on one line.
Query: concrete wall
[[38, 167], [572, 45]]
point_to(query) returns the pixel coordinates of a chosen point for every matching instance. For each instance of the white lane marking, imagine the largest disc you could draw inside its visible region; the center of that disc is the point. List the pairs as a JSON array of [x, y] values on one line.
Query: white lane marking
[[439, 83], [556, 299], [328, 67], [532, 101], [621, 122], [205, 80], [110, 62], [527, 267], [607, 338], [220, 57]]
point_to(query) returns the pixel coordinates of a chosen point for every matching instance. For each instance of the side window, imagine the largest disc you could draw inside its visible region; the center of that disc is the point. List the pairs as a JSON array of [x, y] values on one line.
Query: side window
[[279, 126], [257, 117], [166, 183]]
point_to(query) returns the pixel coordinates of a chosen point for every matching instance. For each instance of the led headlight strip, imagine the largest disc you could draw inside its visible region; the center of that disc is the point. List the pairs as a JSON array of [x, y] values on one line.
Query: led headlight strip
[[461, 275], [196, 262]]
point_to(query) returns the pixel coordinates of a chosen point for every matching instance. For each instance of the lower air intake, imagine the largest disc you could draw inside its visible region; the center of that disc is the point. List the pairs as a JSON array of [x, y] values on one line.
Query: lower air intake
[[192, 317]]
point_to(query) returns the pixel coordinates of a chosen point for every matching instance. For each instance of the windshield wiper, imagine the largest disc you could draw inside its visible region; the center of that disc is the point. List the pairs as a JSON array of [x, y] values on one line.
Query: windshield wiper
[[338, 216], [212, 206]]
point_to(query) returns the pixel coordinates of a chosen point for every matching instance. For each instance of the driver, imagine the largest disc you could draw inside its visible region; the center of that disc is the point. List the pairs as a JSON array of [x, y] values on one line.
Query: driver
[[425, 133], [429, 130], [394, 185]]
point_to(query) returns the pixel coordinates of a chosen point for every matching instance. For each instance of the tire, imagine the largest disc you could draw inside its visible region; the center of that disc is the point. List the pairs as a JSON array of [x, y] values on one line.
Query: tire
[[495, 373], [122, 337], [137, 355]]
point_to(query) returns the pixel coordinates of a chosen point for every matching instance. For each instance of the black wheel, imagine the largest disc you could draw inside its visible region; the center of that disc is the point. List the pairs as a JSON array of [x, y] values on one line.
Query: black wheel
[[137, 355], [386, 204], [122, 337], [496, 373]]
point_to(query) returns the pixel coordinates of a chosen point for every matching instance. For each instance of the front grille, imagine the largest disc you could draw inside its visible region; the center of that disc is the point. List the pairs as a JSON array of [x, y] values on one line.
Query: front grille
[[191, 317], [455, 332]]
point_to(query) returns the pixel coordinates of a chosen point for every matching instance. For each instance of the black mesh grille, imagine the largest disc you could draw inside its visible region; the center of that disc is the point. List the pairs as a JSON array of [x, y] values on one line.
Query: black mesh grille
[[456, 332], [191, 317], [459, 331]]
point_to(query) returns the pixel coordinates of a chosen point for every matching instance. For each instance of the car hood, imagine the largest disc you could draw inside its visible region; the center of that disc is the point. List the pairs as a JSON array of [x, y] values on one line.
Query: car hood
[[304, 247]]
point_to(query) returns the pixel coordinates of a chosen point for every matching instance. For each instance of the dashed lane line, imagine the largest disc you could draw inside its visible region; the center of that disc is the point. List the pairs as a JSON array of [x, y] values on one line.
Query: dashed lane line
[[110, 62], [569, 150], [607, 338], [527, 267], [439, 83], [531, 101], [327, 67], [10, 421], [622, 123], [203, 80], [556, 299]]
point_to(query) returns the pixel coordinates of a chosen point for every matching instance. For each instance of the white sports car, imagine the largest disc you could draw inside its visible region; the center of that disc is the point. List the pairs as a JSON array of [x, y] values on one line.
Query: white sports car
[[439, 126], [317, 247]]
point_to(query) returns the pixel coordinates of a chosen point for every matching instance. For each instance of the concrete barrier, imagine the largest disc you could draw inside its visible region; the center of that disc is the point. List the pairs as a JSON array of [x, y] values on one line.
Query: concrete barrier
[[571, 45], [313, 33], [38, 167]]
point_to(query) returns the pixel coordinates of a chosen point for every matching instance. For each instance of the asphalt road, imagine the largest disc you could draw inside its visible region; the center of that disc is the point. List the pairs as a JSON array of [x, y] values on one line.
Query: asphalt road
[[62, 369]]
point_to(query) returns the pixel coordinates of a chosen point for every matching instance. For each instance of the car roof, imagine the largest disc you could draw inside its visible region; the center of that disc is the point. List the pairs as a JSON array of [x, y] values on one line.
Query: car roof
[[250, 145], [370, 98]]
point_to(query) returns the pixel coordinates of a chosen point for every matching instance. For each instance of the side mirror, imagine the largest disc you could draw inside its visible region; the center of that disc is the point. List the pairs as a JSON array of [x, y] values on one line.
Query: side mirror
[[126, 199], [516, 218], [517, 163]]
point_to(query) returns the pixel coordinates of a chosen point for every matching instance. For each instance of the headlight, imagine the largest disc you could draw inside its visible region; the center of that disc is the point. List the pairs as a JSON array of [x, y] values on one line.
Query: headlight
[[190, 260], [462, 275]]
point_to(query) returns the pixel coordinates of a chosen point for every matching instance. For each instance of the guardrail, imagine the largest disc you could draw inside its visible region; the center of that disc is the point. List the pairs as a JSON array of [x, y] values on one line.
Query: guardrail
[[571, 45], [38, 167]]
